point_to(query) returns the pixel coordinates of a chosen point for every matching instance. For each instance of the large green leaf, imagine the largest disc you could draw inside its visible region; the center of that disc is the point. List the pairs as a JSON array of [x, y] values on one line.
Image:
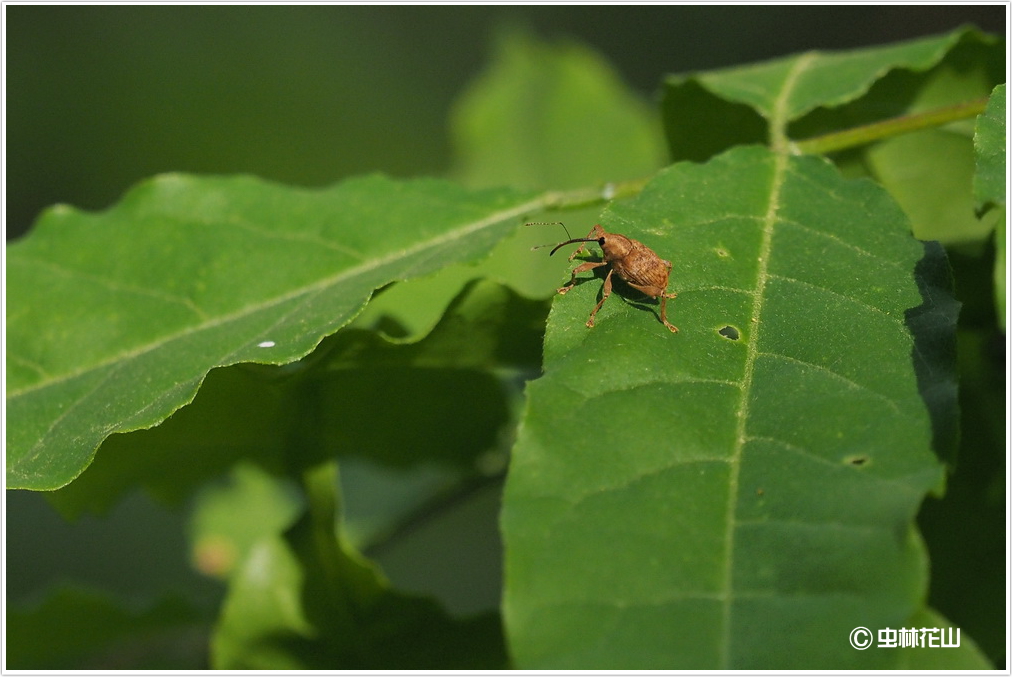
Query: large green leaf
[[740, 494], [114, 319]]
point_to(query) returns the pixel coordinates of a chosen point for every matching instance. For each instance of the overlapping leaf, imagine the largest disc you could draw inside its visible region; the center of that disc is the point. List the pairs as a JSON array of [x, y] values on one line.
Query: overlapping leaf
[[308, 601], [115, 318], [816, 93], [842, 89], [739, 494], [441, 393]]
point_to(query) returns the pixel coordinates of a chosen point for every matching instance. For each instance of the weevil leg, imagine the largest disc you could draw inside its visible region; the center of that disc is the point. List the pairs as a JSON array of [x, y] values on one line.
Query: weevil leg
[[582, 268], [606, 291], [595, 232], [577, 252], [664, 311]]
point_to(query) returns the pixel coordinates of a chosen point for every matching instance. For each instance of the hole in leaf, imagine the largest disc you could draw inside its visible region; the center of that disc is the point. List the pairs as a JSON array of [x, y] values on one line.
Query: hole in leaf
[[721, 252], [857, 461], [729, 332]]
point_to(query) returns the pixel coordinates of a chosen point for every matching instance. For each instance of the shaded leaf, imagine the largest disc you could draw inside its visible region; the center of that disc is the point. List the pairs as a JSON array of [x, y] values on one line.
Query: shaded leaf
[[700, 501], [310, 602], [440, 400], [114, 319], [966, 530], [965, 656], [76, 629]]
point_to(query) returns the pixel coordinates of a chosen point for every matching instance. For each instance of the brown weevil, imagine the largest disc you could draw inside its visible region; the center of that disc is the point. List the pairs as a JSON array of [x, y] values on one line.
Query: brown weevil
[[633, 261]]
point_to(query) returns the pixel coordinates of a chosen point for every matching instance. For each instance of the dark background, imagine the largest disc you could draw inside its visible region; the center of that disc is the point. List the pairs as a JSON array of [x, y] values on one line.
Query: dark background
[[98, 98]]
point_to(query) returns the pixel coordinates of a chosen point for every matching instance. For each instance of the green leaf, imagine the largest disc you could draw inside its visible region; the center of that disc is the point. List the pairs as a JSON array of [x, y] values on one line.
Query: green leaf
[[114, 319], [552, 115], [989, 184], [718, 499], [444, 392], [308, 601], [76, 629], [229, 517], [989, 146], [929, 174], [827, 91], [927, 171]]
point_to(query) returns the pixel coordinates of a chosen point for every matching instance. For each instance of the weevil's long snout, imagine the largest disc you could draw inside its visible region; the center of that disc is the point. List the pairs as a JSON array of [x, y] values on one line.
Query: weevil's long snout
[[579, 239]]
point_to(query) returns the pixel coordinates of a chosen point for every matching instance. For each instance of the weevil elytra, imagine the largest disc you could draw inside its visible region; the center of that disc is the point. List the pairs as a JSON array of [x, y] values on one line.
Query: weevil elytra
[[633, 261]]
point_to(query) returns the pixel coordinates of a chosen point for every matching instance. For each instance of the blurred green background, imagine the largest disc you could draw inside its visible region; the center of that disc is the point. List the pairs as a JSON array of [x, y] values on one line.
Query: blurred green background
[[100, 97]]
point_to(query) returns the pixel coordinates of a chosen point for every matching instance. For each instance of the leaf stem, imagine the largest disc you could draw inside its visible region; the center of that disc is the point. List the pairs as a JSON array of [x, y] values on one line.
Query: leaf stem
[[864, 134]]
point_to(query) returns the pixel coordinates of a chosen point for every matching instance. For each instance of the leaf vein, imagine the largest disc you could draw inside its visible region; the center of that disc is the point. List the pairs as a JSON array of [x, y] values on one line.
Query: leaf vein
[[299, 238], [840, 377], [837, 240], [854, 299], [117, 286], [38, 447]]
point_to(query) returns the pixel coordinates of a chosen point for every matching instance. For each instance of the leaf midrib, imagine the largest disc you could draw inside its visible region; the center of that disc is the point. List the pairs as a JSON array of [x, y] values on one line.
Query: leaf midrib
[[779, 143], [457, 234]]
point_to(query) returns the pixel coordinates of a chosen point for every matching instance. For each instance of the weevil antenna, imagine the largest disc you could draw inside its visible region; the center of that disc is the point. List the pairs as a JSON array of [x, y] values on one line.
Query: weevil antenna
[[550, 223], [547, 223], [579, 239]]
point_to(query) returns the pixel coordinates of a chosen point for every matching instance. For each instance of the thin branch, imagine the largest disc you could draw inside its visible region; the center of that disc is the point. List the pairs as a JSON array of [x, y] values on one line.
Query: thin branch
[[429, 511], [864, 134]]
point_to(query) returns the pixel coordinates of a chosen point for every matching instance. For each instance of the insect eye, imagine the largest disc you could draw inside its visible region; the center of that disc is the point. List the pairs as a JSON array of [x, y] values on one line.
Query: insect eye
[[600, 241]]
